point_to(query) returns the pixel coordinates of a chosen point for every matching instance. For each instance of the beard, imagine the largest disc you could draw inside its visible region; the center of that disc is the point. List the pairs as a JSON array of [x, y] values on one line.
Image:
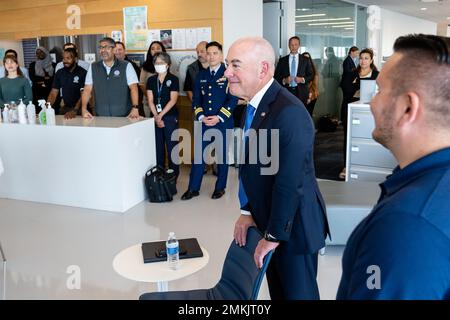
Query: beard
[[383, 134]]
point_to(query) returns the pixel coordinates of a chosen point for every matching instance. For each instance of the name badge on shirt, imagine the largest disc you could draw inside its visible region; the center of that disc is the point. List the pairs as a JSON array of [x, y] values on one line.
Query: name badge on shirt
[[116, 73], [76, 79]]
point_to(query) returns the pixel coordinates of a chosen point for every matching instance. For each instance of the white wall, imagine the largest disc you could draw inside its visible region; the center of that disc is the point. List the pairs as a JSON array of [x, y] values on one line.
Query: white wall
[[16, 45], [394, 25], [241, 18]]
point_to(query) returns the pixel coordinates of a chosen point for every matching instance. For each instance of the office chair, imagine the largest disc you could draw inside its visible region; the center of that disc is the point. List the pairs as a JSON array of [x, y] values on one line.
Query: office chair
[[240, 279]]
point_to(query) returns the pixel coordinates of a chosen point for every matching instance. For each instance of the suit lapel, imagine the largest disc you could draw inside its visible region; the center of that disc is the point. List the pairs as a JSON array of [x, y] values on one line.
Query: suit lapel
[[263, 109]]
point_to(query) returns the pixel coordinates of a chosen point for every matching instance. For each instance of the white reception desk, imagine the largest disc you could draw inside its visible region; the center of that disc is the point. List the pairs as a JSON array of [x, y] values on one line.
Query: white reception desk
[[96, 163]]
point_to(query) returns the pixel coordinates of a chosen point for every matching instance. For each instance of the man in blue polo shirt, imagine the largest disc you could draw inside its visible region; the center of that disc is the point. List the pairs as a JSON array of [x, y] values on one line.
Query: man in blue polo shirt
[[69, 82], [402, 249]]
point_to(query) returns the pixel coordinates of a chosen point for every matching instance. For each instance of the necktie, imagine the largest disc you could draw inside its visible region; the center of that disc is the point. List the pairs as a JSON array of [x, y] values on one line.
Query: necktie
[[293, 72], [213, 73], [250, 113]]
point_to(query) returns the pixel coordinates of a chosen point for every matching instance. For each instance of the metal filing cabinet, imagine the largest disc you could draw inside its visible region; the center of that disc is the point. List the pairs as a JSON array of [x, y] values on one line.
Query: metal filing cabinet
[[367, 160]]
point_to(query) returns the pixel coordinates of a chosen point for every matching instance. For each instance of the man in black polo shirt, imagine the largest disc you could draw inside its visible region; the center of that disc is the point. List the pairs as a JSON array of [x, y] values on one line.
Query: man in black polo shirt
[[194, 68], [68, 82]]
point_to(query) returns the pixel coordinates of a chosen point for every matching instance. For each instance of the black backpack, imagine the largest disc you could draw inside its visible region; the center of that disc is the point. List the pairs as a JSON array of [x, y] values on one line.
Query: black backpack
[[161, 184]]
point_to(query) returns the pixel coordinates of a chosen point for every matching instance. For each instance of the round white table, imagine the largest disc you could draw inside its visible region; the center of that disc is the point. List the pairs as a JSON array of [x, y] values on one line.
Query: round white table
[[129, 263]]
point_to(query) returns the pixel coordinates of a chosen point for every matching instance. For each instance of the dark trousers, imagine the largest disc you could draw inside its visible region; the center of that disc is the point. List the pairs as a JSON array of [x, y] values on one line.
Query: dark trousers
[[163, 141], [310, 106], [197, 170], [299, 92], [292, 276]]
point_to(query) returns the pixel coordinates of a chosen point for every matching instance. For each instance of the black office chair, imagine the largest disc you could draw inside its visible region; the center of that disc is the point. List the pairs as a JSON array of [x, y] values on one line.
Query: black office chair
[[240, 279]]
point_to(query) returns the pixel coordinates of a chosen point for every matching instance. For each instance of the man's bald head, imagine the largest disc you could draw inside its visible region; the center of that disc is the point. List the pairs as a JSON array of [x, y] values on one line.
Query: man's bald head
[[201, 51], [259, 49], [251, 65]]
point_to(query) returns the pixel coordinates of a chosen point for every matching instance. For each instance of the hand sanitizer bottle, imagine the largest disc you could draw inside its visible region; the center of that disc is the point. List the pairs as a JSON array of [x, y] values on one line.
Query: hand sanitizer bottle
[[22, 112], [5, 113], [31, 113], [42, 114], [50, 114]]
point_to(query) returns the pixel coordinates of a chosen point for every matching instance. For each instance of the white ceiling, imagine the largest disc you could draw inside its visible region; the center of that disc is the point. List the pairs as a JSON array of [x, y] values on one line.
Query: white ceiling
[[436, 11]]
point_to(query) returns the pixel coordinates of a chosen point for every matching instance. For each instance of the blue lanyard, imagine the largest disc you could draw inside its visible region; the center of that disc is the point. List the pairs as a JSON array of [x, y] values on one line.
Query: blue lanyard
[[159, 89]]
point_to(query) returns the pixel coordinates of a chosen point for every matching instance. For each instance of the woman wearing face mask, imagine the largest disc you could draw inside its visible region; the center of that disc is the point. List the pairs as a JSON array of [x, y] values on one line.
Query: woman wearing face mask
[[350, 87], [162, 95], [148, 68]]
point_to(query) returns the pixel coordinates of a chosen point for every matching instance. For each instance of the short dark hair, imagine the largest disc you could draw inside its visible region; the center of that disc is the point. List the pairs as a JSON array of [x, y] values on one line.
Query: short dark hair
[[164, 56], [110, 41], [353, 49], [214, 44], [11, 51], [427, 56], [70, 44], [294, 38], [121, 43], [72, 51]]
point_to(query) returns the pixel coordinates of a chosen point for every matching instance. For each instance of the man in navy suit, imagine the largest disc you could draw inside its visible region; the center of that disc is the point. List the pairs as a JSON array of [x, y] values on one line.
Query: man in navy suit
[[351, 62], [285, 204], [295, 71]]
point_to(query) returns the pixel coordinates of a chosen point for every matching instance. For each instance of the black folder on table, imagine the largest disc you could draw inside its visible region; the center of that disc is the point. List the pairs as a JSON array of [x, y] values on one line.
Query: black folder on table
[[156, 251]]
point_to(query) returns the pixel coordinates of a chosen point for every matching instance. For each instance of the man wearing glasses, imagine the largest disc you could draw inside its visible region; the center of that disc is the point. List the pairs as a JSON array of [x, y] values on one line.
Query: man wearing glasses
[[114, 82]]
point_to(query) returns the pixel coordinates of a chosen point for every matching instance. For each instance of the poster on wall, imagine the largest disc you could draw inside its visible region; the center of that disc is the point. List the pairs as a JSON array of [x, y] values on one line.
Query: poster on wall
[[204, 34], [117, 35], [179, 39], [166, 38], [2, 53], [191, 38], [138, 58], [135, 27], [153, 35], [180, 61]]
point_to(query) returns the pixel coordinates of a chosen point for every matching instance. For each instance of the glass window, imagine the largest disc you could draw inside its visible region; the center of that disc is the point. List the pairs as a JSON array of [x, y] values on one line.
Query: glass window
[[327, 31]]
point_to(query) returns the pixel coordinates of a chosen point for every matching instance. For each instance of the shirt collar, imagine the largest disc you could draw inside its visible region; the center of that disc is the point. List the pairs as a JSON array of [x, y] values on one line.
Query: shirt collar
[[215, 69], [401, 177], [256, 100]]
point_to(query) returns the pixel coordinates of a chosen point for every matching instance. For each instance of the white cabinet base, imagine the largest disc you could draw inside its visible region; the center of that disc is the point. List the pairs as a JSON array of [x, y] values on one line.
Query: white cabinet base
[[96, 164]]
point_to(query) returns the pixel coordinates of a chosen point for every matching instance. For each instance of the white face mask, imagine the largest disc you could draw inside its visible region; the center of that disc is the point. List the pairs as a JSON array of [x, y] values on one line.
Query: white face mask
[[161, 68]]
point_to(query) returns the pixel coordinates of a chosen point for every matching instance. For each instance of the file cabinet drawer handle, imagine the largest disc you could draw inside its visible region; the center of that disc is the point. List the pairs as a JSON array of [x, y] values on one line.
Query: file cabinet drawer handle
[[355, 149], [353, 176]]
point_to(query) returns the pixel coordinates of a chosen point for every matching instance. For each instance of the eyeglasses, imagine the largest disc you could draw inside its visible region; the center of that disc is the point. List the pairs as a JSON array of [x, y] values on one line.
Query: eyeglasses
[[104, 47]]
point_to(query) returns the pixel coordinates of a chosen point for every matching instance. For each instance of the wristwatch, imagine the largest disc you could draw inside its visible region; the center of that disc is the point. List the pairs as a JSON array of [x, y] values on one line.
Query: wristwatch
[[270, 238]]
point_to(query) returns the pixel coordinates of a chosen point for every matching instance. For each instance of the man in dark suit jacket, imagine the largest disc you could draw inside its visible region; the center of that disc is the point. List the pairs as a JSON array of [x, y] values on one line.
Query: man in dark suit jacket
[[350, 63], [294, 71], [281, 198]]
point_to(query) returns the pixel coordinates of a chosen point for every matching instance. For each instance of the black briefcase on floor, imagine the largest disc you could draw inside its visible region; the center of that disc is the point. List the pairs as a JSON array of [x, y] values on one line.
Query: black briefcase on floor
[[161, 184]]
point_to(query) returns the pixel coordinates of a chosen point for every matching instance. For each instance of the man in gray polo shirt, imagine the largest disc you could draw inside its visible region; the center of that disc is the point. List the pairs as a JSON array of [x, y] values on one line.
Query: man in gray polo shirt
[[113, 81]]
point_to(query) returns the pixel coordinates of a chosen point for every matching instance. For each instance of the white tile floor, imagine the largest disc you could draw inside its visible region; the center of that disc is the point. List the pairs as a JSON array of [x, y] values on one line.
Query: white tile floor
[[41, 241]]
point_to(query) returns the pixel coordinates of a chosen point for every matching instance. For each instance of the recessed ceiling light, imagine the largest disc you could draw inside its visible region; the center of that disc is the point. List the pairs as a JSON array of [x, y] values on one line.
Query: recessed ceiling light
[[423, 9]]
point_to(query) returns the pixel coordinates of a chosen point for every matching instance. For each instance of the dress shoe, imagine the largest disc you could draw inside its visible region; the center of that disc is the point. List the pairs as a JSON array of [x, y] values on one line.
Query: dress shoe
[[218, 194], [189, 195]]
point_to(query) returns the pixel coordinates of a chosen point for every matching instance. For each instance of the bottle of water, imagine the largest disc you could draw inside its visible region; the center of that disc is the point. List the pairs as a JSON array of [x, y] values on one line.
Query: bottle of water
[[172, 249]]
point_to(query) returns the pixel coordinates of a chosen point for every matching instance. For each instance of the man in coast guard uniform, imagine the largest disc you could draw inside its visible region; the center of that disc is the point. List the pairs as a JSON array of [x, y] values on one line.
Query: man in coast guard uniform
[[213, 107]]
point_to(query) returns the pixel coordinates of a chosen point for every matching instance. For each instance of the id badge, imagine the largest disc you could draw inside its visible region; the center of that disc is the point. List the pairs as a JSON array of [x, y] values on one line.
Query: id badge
[[158, 108]]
